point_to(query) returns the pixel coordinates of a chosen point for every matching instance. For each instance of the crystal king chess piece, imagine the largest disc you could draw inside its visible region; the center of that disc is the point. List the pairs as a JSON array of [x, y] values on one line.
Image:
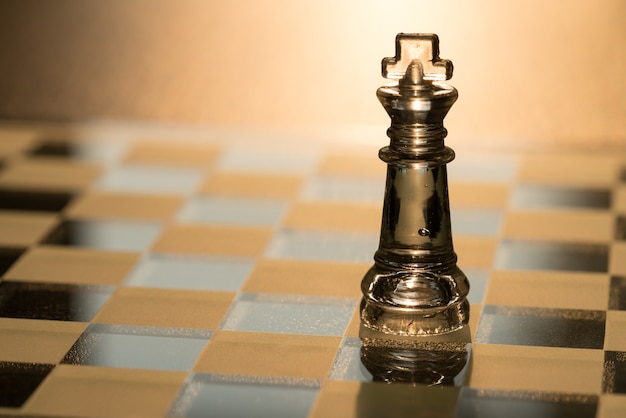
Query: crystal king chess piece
[[415, 287]]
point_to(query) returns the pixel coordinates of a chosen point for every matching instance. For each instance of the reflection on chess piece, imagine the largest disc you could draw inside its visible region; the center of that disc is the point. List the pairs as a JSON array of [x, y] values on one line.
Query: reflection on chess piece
[[414, 361], [431, 361], [415, 286]]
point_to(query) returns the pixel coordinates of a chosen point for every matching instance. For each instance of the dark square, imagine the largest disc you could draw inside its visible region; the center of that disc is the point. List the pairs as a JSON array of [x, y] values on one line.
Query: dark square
[[61, 302], [485, 403], [620, 228], [8, 256], [617, 293], [567, 328], [33, 200], [104, 234], [540, 255], [614, 377], [66, 233], [19, 380], [529, 196], [53, 149]]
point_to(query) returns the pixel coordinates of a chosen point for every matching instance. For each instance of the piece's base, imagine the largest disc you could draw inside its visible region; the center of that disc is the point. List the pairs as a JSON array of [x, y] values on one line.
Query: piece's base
[[414, 322]]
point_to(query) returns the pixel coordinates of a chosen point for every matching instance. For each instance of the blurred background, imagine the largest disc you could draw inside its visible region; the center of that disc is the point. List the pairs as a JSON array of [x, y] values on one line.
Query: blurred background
[[532, 71]]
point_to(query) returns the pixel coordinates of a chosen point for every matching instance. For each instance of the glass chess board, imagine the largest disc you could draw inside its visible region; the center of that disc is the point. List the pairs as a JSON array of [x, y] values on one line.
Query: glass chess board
[[154, 271]]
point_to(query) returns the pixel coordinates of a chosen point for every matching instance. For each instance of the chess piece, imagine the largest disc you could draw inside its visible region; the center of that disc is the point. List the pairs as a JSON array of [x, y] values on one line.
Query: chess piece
[[415, 286]]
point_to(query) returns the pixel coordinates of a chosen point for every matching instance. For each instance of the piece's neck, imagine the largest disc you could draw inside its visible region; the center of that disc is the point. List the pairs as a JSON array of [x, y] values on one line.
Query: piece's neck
[[417, 131]]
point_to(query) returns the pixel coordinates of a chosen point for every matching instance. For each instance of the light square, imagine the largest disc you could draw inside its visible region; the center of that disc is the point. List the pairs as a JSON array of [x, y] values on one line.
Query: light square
[[15, 141], [37, 341], [165, 308], [548, 369], [168, 153], [49, 173], [266, 354], [22, 229], [109, 205], [72, 265], [611, 406], [341, 399], [475, 252], [617, 258], [334, 216], [493, 403], [252, 185], [213, 240], [306, 278], [356, 165], [478, 195], [88, 391], [579, 170], [348, 399], [562, 226], [565, 290], [615, 336]]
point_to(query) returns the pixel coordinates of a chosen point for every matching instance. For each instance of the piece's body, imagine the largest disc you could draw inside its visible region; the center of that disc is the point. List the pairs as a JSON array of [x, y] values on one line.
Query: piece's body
[[415, 286]]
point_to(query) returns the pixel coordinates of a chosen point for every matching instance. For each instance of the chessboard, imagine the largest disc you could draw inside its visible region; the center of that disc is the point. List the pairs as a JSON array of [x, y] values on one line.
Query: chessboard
[[153, 272]]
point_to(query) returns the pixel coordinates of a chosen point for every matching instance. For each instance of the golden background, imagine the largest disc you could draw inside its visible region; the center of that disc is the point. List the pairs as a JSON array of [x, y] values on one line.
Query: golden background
[[531, 71]]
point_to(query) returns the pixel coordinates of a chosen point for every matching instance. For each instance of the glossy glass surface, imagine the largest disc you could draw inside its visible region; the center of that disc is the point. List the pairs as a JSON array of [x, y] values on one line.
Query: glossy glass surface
[[290, 314], [534, 255], [137, 347], [19, 380], [104, 234], [40, 201], [217, 396], [103, 303], [58, 302], [188, 272]]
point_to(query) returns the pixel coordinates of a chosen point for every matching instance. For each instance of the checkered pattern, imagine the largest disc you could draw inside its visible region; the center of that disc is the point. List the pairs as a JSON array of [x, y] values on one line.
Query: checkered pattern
[[211, 278]]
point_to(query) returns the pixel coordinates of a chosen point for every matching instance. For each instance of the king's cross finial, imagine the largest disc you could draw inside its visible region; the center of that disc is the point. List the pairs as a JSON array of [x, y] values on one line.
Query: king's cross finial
[[417, 46]]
